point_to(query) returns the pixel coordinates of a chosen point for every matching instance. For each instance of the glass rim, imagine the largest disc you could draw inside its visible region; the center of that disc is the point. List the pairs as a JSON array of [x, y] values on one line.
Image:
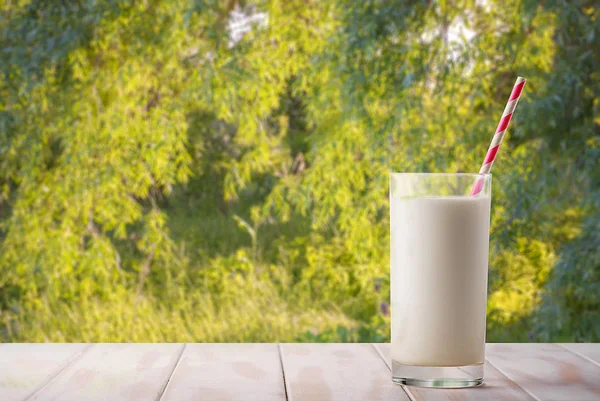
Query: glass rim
[[474, 175]]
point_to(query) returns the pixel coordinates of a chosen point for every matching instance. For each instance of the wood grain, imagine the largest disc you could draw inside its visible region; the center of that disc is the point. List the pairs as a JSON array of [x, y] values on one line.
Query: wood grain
[[220, 372], [547, 371], [253, 372], [337, 372], [25, 368], [496, 387], [115, 372], [589, 351]]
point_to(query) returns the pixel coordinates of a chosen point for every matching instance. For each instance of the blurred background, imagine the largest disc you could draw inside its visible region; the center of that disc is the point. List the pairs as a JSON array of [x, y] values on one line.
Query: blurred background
[[217, 170]]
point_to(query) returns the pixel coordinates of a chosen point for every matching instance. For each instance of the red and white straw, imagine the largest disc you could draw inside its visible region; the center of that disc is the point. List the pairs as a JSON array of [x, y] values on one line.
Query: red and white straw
[[486, 167]]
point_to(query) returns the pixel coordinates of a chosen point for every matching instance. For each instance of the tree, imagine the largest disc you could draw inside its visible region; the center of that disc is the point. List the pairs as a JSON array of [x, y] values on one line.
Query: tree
[[140, 144]]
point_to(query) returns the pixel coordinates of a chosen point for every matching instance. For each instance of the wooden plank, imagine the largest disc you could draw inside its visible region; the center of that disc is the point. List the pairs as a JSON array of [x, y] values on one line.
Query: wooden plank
[[496, 387], [589, 351], [547, 371], [116, 372], [219, 372], [25, 368], [337, 372]]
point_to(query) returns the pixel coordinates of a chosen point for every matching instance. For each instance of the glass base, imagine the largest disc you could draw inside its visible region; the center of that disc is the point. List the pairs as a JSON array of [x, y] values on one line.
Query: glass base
[[438, 376]]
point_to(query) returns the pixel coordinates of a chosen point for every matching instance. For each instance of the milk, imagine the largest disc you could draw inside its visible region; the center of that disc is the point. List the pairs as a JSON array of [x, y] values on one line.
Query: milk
[[439, 262]]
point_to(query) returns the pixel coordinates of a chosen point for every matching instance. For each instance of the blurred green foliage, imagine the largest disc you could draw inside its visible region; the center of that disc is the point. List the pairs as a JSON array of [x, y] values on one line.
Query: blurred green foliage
[[161, 181]]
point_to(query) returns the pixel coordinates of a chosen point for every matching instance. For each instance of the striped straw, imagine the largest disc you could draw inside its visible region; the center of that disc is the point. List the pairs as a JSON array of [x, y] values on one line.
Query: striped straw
[[486, 167]]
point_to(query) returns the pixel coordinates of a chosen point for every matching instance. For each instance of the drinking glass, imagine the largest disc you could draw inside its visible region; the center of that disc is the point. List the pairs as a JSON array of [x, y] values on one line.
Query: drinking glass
[[439, 239]]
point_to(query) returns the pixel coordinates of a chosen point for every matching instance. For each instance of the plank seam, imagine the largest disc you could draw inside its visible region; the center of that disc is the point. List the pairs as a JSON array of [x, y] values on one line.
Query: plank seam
[[578, 354], [60, 370], [288, 395], [165, 385], [386, 363], [512, 381]]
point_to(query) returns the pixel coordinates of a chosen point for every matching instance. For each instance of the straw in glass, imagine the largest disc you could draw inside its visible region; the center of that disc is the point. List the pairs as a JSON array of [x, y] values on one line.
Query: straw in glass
[[490, 156]]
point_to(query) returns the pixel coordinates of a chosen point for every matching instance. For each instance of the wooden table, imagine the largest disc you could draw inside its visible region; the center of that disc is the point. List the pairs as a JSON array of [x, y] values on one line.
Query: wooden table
[[279, 372]]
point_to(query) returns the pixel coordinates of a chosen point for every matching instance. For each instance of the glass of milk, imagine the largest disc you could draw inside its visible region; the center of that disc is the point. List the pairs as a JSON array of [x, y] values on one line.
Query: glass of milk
[[439, 268]]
